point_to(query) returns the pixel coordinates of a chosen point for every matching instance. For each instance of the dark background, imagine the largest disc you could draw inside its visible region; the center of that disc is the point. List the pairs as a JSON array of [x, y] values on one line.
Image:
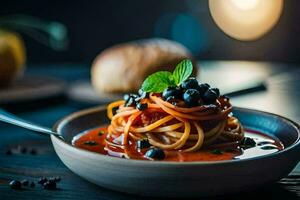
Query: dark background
[[94, 25]]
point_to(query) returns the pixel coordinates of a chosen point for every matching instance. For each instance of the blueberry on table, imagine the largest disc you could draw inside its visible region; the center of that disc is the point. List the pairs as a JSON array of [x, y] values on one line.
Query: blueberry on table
[[209, 97], [54, 179], [202, 88], [22, 149], [25, 182], [32, 184], [142, 106], [155, 153], [171, 92], [190, 83], [57, 179], [191, 97], [141, 144], [42, 180], [49, 185], [14, 184], [33, 151], [8, 152]]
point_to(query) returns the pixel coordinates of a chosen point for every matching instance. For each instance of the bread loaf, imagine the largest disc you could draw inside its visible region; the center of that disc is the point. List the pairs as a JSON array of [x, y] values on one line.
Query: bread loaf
[[122, 68]]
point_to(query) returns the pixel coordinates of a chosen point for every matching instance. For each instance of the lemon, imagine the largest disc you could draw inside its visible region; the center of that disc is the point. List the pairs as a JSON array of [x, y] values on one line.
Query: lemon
[[12, 56]]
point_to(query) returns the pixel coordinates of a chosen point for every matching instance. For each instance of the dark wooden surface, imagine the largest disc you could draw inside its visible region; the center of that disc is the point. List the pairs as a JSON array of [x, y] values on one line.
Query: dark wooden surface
[[281, 98]]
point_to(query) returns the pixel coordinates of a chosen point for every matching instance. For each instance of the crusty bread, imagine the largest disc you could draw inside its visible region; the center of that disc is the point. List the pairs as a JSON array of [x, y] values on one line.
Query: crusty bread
[[123, 68]]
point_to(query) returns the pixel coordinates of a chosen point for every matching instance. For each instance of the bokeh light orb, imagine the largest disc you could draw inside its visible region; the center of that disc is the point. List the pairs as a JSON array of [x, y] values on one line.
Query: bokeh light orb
[[246, 20]]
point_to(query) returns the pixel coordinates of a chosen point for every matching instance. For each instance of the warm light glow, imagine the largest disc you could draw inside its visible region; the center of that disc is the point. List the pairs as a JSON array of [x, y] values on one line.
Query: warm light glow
[[246, 19], [245, 4]]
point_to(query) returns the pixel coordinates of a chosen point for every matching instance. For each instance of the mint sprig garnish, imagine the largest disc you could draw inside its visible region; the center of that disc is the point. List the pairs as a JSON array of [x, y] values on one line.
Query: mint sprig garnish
[[161, 80], [182, 71], [158, 81]]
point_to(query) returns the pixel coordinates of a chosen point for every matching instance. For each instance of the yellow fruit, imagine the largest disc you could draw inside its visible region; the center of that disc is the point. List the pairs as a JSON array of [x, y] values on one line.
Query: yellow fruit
[[12, 56]]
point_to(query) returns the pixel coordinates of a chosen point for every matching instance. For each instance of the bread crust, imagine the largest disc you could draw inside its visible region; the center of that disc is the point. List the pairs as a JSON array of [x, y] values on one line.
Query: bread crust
[[122, 68]]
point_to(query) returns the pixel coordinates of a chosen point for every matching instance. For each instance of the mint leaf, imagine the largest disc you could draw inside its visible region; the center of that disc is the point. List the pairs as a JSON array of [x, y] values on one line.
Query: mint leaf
[[158, 81], [182, 71]]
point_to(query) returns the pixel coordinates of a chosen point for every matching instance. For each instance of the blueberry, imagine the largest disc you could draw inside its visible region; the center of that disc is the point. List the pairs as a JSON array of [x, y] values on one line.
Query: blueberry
[[172, 91], [191, 97], [155, 153], [32, 184], [141, 144], [130, 99], [248, 142], [8, 152], [33, 151], [202, 88], [131, 102], [25, 182], [49, 185], [190, 83], [209, 97], [42, 180], [14, 184], [126, 97], [143, 94], [171, 99], [57, 179], [22, 149], [142, 106], [216, 90]]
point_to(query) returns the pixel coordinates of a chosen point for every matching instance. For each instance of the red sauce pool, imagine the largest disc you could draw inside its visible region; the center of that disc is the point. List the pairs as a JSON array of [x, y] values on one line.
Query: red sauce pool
[[95, 140]]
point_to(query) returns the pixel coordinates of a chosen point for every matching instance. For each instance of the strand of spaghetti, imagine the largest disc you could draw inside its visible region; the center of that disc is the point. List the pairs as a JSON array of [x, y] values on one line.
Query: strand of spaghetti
[[212, 132], [135, 137], [236, 134], [219, 132], [153, 105], [122, 109], [127, 127], [179, 143], [168, 128], [118, 124], [177, 135], [185, 135], [113, 105], [153, 125], [200, 140], [125, 113]]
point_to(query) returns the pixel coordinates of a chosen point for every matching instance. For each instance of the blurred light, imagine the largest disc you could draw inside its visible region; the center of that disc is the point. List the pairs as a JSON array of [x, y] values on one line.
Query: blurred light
[[245, 4], [246, 19], [183, 28], [187, 30]]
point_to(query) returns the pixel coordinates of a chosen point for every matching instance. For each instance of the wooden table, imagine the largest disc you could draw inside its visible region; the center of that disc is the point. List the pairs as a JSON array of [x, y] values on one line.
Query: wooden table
[[281, 99]]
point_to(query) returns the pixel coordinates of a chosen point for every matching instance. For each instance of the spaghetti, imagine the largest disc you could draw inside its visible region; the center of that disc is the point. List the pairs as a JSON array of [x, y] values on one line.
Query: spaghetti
[[173, 127]]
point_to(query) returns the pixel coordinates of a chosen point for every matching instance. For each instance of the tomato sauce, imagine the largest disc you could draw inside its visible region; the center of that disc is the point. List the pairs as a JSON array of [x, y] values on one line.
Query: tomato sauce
[[96, 140]]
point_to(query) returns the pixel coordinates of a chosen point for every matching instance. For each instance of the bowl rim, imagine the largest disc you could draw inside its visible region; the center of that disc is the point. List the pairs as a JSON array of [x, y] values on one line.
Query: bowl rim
[[60, 123]]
